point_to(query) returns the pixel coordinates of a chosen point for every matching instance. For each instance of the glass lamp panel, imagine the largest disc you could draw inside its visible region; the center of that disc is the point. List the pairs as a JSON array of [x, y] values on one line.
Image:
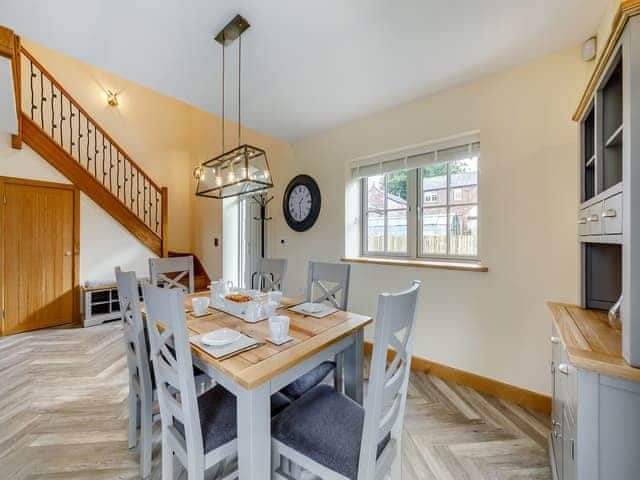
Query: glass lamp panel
[[463, 230], [434, 231]]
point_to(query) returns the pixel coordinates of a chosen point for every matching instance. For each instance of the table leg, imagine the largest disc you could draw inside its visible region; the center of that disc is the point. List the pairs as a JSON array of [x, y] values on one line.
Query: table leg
[[354, 367], [254, 433]]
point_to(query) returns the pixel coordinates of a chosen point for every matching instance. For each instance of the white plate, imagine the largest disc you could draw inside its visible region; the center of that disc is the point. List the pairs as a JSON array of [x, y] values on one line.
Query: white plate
[[312, 307], [223, 336]]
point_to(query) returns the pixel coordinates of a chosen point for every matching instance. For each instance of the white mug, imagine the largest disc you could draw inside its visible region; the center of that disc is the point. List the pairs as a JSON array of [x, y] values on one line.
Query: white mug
[[219, 289], [200, 305], [279, 327]]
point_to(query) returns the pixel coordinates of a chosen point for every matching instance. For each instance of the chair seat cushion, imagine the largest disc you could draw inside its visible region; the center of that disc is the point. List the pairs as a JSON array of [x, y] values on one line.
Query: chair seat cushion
[[218, 421], [326, 427], [306, 382]]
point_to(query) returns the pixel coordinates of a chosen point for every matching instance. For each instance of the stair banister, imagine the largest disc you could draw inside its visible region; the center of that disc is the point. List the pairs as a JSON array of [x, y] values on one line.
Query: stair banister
[[10, 48]]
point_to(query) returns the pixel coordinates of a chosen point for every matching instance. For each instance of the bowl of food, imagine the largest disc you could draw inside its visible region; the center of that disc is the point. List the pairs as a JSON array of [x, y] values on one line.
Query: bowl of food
[[236, 303]]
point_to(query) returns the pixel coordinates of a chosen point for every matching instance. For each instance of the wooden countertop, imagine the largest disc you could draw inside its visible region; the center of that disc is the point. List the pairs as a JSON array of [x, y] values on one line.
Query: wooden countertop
[[590, 342]]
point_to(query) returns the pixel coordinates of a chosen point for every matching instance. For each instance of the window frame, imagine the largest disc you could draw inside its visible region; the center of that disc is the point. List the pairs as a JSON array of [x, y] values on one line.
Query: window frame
[[411, 223], [415, 212]]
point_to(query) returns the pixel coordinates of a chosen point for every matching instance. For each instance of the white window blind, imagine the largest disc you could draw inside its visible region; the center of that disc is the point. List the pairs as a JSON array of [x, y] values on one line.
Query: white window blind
[[417, 156]]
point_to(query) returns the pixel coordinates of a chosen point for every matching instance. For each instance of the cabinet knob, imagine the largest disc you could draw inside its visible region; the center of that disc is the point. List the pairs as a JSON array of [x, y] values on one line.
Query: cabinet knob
[[557, 434], [555, 340], [563, 368], [582, 220], [593, 218], [67, 253], [610, 213]]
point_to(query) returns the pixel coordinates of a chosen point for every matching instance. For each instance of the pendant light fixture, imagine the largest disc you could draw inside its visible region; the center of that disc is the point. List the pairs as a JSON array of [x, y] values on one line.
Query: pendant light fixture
[[244, 169]]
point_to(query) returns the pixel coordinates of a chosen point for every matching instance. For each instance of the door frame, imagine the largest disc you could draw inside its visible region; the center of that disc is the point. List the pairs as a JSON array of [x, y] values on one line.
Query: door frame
[[75, 317]]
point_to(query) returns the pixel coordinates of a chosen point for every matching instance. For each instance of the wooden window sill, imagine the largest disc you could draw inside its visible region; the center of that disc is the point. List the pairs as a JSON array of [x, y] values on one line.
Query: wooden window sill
[[442, 265]]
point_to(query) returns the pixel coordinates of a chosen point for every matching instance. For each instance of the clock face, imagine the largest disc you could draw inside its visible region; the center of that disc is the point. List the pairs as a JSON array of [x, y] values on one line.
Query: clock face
[[300, 203]]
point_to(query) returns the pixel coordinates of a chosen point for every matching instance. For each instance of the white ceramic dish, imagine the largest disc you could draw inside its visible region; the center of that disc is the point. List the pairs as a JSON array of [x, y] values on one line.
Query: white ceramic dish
[[218, 338], [312, 307], [280, 342]]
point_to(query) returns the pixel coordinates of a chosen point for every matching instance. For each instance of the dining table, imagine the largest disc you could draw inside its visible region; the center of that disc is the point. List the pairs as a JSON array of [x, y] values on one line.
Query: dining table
[[254, 375]]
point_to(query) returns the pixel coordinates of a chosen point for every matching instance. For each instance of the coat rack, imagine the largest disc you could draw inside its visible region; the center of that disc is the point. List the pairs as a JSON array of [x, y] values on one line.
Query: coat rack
[[263, 200]]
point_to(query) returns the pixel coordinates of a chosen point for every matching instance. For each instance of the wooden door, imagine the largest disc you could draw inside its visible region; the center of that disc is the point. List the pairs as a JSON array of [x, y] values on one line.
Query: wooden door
[[39, 254]]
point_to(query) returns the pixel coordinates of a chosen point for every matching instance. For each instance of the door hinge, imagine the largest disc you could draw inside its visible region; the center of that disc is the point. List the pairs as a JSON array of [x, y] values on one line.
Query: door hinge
[[4, 199], [4, 314]]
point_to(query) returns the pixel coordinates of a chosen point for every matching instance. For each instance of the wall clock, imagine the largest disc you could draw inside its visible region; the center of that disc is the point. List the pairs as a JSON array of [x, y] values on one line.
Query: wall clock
[[301, 203]]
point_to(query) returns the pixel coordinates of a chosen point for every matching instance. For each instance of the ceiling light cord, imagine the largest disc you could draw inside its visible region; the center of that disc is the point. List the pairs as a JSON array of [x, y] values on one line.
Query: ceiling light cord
[[223, 48], [239, 85]]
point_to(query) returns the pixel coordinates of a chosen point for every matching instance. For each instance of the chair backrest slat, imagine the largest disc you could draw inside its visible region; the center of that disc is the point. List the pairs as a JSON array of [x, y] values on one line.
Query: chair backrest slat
[[180, 267], [271, 274], [331, 280], [388, 381], [172, 362], [134, 333]]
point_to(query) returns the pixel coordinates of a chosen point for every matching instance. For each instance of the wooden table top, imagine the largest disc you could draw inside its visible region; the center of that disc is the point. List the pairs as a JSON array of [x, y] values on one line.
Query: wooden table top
[[253, 368], [591, 343]]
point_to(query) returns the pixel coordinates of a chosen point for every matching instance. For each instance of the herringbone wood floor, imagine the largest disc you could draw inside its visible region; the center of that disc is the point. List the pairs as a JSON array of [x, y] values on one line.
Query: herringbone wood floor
[[63, 415]]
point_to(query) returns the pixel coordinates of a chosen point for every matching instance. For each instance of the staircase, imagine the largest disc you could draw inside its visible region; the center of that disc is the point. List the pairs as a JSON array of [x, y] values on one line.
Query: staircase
[[56, 127]]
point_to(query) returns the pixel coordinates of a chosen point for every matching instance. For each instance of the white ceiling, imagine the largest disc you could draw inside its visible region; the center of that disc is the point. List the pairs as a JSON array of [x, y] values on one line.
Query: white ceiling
[[307, 66]]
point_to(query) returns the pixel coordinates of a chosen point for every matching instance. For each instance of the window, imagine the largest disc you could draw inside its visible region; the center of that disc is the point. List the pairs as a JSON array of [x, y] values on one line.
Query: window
[[442, 185], [387, 212]]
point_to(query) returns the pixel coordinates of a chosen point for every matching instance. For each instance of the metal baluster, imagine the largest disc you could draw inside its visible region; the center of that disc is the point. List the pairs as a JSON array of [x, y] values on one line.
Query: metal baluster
[[33, 75], [138, 195], [144, 199], [62, 118], [71, 142], [157, 222], [53, 112], [133, 175], [118, 172], [88, 142], [126, 179], [104, 170], [42, 100], [80, 135], [110, 167], [95, 147]]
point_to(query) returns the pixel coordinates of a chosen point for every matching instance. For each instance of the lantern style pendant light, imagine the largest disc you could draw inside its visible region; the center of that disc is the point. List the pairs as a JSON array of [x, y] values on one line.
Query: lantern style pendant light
[[244, 169]]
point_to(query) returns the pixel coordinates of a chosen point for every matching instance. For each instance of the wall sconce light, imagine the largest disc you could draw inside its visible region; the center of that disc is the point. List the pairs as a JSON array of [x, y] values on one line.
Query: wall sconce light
[[112, 98]]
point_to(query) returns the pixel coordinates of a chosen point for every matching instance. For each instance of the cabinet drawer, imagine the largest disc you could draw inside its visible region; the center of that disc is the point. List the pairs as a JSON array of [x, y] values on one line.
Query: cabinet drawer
[[594, 225], [583, 226], [612, 215]]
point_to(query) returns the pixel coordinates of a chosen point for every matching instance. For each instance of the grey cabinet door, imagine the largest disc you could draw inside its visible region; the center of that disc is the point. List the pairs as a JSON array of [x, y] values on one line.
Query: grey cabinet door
[[557, 401], [569, 470]]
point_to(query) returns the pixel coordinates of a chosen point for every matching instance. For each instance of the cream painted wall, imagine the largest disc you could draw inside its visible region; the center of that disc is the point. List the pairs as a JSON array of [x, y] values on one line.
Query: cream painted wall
[[494, 324], [104, 243], [151, 127]]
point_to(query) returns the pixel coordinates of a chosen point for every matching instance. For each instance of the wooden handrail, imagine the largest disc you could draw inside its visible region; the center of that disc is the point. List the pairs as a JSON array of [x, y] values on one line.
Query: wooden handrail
[[76, 104]]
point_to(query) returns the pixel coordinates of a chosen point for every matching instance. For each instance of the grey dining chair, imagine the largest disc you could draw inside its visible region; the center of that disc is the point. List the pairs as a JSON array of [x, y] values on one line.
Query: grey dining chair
[[143, 399], [271, 274], [141, 396], [180, 267], [200, 431], [331, 436], [326, 282]]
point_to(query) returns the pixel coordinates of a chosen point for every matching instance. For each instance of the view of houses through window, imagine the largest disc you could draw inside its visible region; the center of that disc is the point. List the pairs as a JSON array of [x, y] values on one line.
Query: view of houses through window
[[447, 219]]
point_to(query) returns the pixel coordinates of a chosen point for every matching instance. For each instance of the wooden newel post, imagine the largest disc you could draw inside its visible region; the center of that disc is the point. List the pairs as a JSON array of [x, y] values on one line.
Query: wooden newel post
[[10, 48], [165, 222]]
